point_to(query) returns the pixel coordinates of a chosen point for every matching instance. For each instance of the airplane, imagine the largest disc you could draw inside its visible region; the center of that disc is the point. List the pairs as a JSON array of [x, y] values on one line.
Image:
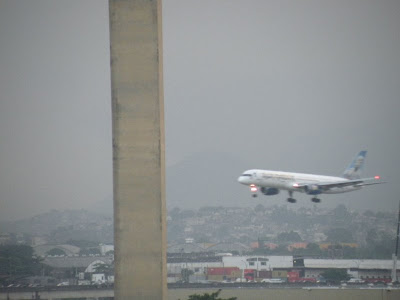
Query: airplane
[[271, 182]]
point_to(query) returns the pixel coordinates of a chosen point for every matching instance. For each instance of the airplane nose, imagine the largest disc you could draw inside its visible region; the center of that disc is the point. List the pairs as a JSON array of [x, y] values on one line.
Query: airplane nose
[[240, 179]]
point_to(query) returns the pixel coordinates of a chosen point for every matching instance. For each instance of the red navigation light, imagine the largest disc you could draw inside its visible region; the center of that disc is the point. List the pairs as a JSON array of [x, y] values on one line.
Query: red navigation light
[[377, 177]]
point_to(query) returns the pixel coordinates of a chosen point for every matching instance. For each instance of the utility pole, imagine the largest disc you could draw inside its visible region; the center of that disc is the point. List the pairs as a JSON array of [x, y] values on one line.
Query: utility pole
[[394, 270]]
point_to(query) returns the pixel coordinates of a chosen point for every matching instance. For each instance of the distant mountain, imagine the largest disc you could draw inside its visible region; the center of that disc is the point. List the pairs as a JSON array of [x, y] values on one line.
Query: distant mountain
[[206, 179], [49, 222]]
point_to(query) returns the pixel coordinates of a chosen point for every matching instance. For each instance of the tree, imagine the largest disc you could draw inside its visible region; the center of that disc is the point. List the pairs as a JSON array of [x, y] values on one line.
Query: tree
[[369, 213], [17, 261], [339, 235], [341, 212], [102, 268], [380, 244], [207, 296], [185, 273], [312, 249], [289, 237], [280, 250], [372, 237], [335, 275], [56, 252]]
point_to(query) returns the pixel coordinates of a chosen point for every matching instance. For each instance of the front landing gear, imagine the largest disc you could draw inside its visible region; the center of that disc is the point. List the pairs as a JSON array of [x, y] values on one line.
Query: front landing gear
[[254, 195], [291, 199], [316, 200]]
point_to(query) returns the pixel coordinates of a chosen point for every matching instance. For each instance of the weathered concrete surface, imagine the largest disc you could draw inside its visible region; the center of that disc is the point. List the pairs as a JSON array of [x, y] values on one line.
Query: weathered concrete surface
[[138, 149], [56, 295], [241, 294], [292, 294]]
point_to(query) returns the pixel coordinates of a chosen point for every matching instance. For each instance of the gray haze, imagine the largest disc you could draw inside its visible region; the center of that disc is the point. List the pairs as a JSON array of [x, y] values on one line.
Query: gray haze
[[286, 85]]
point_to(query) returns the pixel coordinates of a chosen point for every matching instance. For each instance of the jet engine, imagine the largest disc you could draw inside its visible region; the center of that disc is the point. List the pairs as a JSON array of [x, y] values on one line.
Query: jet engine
[[312, 189], [269, 191]]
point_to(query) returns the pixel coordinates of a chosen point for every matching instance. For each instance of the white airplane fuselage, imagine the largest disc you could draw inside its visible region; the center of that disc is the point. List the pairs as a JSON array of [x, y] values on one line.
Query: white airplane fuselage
[[271, 183], [289, 181]]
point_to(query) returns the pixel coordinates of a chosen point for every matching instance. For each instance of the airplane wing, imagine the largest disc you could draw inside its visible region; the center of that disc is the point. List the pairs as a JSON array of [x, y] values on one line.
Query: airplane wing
[[338, 184]]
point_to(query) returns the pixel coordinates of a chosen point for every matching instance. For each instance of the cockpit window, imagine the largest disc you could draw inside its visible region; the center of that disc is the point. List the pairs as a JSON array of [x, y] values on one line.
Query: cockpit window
[[248, 175]]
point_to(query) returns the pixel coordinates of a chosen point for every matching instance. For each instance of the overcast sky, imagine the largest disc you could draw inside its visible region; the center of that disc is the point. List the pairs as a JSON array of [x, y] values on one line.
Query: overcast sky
[[285, 85]]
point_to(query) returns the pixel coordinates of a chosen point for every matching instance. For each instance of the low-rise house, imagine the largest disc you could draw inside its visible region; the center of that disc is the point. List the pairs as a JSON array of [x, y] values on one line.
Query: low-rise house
[[293, 246]]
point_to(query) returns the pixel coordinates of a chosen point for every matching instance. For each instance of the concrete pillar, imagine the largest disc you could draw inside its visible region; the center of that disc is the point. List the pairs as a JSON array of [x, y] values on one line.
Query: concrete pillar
[[138, 149]]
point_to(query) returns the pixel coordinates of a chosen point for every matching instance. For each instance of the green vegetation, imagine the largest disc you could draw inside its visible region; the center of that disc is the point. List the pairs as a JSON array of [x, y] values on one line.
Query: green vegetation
[[17, 261], [312, 250], [111, 252], [380, 245], [335, 275], [185, 273], [56, 252], [289, 237], [102, 268], [339, 235], [207, 296]]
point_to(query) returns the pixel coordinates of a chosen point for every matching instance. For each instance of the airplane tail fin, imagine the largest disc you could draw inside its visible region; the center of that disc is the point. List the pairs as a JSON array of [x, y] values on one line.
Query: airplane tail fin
[[354, 170]]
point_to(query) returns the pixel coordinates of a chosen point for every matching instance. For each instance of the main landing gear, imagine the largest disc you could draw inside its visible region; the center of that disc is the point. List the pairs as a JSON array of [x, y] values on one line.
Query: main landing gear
[[291, 199], [316, 200]]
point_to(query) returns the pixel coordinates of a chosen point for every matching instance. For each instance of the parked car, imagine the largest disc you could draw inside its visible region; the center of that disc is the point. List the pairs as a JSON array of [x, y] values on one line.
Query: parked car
[[355, 280]]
